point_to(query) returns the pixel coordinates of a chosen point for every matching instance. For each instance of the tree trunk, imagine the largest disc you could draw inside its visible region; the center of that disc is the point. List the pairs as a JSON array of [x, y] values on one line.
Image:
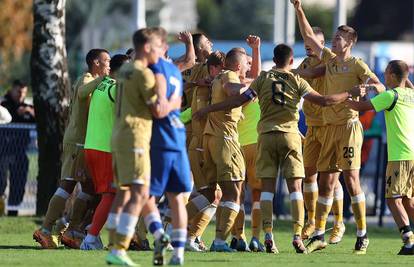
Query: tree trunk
[[50, 83]]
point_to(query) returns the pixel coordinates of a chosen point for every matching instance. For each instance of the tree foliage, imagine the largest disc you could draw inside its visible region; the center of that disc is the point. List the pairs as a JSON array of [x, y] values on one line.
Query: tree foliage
[[16, 24]]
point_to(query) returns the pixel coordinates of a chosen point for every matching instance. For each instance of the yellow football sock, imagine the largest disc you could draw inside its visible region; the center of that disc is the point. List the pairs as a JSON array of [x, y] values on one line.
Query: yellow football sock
[[297, 212], [323, 207], [125, 231], [338, 205], [200, 222], [226, 219], [239, 224], [111, 237], [121, 242], [196, 204], [256, 220], [310, 196], [266, 206], [80, 206], [56, 207], [141, 229], [358, 207]]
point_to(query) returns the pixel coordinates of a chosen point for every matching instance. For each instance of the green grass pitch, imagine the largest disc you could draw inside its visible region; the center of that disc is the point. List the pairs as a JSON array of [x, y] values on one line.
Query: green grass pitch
[[18, 249]]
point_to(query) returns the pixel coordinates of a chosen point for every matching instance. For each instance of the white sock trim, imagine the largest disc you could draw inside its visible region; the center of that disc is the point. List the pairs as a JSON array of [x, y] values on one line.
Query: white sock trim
[[339, 193], [310, 187], [127, 223], [296, 196], [84, 196], [358, 198], [327, 201], [200, 202], [266, 196], [256, 205], [179, 235], [152, 217], [112, 221], [210, 211], [232, 205], [62, 193], [361, 233]]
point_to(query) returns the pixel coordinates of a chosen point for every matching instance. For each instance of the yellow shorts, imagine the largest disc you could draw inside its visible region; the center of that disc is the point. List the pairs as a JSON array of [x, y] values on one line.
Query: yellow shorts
[[279, 149], [341, 147], [249, 153], [73, 163], [195, 155], [312, 146], [131, 167], [223, 159], [400, 179]]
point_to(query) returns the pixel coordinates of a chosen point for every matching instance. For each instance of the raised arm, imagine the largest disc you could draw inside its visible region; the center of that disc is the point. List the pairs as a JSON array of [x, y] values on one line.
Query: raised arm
[[306, 29], [375, 85], [254, 42], [188, 60]]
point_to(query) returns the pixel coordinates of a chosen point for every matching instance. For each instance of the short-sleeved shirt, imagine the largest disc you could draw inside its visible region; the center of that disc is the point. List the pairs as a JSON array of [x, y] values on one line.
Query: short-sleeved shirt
[[313, 112], [279, 94], [399, 122], [169, 132], [200, 99], [223, 123], [198, 72], [340, 77], [76, 130], [247, 127], [133, 119], [101, 116]]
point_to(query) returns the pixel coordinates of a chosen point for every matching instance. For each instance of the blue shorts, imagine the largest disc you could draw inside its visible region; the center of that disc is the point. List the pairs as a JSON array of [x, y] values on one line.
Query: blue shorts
[[170, 172]]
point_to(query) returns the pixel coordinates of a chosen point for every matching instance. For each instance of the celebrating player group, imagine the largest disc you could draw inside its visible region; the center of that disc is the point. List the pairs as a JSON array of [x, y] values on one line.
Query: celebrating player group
[[194, 134]]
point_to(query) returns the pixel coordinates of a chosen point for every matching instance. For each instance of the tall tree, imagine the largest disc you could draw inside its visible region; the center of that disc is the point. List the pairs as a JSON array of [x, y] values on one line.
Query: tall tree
[[50, 84]]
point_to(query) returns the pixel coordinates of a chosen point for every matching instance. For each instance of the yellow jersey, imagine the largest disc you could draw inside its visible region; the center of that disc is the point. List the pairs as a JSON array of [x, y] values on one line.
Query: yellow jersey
[[133, 118], [340, 77], [200, 99], [313, 112], [78, 113], [223, 123], [198, 72], [279, 94]]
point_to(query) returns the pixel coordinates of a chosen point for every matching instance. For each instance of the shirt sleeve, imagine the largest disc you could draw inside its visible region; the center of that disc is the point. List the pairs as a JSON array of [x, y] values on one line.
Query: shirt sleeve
[[148, 84], [383, 100], [364, 72], [304, 88], [5, 116], [257, 83], [326, 55]]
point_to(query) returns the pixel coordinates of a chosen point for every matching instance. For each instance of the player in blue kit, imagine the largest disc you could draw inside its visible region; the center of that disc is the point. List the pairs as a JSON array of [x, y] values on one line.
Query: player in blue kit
[[170, 168]]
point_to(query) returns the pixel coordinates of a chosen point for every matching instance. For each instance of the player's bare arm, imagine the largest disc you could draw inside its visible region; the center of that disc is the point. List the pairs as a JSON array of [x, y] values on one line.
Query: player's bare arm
[[334, 99], [310, 73], [306, 29], [233, 89], [254, 42], [188, 60], [230, 103], [376, 85], [85, 90], [359, 105]]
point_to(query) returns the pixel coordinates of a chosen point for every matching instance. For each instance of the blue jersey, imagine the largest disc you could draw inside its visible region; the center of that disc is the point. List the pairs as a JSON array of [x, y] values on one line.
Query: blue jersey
[[169, 132]]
